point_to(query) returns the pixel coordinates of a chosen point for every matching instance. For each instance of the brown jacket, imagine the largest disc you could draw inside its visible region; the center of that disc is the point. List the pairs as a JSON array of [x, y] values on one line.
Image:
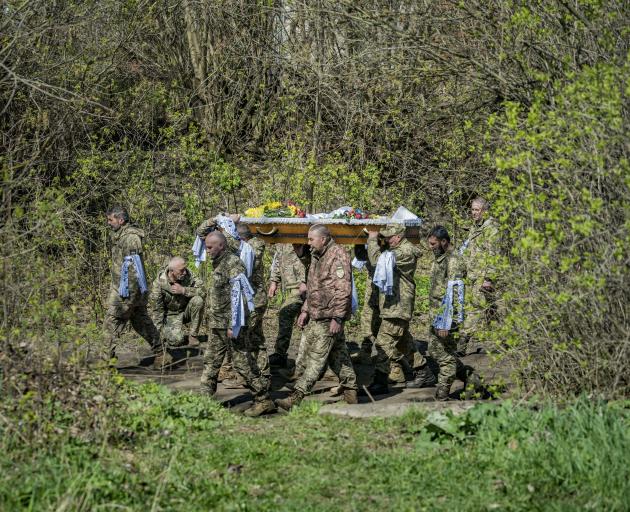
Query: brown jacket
[[329, 284]]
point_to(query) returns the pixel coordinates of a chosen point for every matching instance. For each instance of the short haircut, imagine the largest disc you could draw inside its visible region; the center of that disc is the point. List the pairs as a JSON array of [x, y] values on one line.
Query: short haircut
[[481, 201], [218, 235], [439, 232], [120, 212], [176, 261], [243, 230], [320, 230]]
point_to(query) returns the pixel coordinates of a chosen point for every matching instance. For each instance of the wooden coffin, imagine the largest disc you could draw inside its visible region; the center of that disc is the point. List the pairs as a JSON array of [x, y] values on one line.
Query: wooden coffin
[[290, 230]]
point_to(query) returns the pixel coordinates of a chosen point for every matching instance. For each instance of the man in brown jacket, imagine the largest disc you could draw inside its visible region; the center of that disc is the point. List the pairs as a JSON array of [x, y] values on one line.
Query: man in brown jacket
[[327, 306]]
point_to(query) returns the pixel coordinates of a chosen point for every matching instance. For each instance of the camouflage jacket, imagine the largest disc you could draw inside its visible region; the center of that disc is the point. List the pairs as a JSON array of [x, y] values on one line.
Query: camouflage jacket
[[257, 279], [126, 240], [287, 268], [402, 301], [329, 284], [218, 290], [163, 302], [446, 267], [482, 244]]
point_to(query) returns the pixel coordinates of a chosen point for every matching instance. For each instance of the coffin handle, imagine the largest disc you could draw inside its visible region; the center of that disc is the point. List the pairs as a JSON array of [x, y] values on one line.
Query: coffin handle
[[273, 231]]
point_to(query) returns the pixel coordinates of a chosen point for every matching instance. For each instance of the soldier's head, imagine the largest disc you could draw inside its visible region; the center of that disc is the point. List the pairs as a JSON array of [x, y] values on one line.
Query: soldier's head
[[117, 216], [318, 237], [393, 234], [215, 244], [243, 231], [478, 209], [176, 268], [439, 240]]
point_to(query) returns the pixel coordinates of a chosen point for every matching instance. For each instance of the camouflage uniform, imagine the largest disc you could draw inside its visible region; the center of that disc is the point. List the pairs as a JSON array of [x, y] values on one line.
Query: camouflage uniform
[[127, 240], [446, 267], [219, 315], [480, 305], [171, 311], [394, 341], [289, 271], [329, 295], [256, 334]]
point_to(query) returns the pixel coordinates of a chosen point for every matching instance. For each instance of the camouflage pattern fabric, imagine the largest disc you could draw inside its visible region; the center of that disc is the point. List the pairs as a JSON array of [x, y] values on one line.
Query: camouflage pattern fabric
[[321, 348], [170, 312], [127, 240]]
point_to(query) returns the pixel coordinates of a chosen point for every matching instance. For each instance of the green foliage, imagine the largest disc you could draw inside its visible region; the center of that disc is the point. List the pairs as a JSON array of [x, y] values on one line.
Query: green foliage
[[564, 277], [185, 452]]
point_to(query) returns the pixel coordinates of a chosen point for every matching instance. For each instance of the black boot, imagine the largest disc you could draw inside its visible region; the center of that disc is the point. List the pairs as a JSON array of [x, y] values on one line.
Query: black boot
[[379, 384], [278, 360], [424, 378]]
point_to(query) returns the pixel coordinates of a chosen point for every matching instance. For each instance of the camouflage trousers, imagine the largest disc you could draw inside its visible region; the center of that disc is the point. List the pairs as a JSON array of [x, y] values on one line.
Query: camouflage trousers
[[131, 309], [320, 348], [290, 310], [394, 343], [442, 350], [481, 309], [172, 329], [257, 343], [370, 314], [244, 360]]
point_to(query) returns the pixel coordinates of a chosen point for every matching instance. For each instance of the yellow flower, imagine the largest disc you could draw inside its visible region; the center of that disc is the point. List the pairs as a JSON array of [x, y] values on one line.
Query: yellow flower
[[272, 205], [254, 212]]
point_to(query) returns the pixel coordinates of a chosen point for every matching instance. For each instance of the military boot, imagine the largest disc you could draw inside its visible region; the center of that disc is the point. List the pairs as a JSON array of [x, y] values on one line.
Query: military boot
[[396, 374], [208, 387], [163, 360], [278, 360], [442, 392], [260, 407], [291, 401], [424, 378], [364, 355], [350, 396], [473, 387], [462, 345], [379, 384]]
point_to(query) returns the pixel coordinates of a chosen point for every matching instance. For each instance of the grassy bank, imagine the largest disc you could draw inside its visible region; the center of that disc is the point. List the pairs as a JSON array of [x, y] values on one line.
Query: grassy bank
[[165, 451]]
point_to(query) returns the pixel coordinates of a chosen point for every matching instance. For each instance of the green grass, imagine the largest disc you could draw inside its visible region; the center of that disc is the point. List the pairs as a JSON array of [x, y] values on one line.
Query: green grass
[[167, 451]]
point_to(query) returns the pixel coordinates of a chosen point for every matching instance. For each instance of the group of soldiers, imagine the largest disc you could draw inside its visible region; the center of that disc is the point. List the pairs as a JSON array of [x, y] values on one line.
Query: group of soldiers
[[317, 285]]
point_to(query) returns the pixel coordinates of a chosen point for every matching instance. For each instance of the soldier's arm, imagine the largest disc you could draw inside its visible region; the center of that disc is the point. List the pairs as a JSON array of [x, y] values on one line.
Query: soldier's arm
[[406, 260], [196, 288], [274, 272], [155, 305], [490, 241], [342, 283], [204, 228], [374, 250]]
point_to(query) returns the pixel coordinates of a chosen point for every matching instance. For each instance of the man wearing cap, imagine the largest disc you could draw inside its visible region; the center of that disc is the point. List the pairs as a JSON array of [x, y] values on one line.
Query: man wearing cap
[[396, 302]]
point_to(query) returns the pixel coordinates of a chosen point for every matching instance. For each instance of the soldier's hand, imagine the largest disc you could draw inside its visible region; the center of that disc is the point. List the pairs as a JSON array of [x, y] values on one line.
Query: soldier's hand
[[335, 327], [487, 286], [442, 333], [273, 287], [235, 217], [230, 334], [372, 234], [177, 289], [303, 289], [302, 320]]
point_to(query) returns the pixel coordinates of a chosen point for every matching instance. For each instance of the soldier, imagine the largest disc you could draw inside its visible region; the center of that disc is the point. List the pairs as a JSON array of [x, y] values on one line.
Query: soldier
[[127, 301], [447, 271], [394, 341], [370, 314], [257, 279], [477, 251], [327, 306], [176, 299], [289, 269], [223, 317]]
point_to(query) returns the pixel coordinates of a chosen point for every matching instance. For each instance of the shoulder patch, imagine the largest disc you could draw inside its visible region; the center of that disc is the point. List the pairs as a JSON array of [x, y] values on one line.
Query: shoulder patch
[[340, 272]]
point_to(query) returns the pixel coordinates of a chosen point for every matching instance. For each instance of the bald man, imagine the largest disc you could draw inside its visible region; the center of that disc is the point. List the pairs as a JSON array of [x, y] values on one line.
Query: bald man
[[176, 299], [227, 272]]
